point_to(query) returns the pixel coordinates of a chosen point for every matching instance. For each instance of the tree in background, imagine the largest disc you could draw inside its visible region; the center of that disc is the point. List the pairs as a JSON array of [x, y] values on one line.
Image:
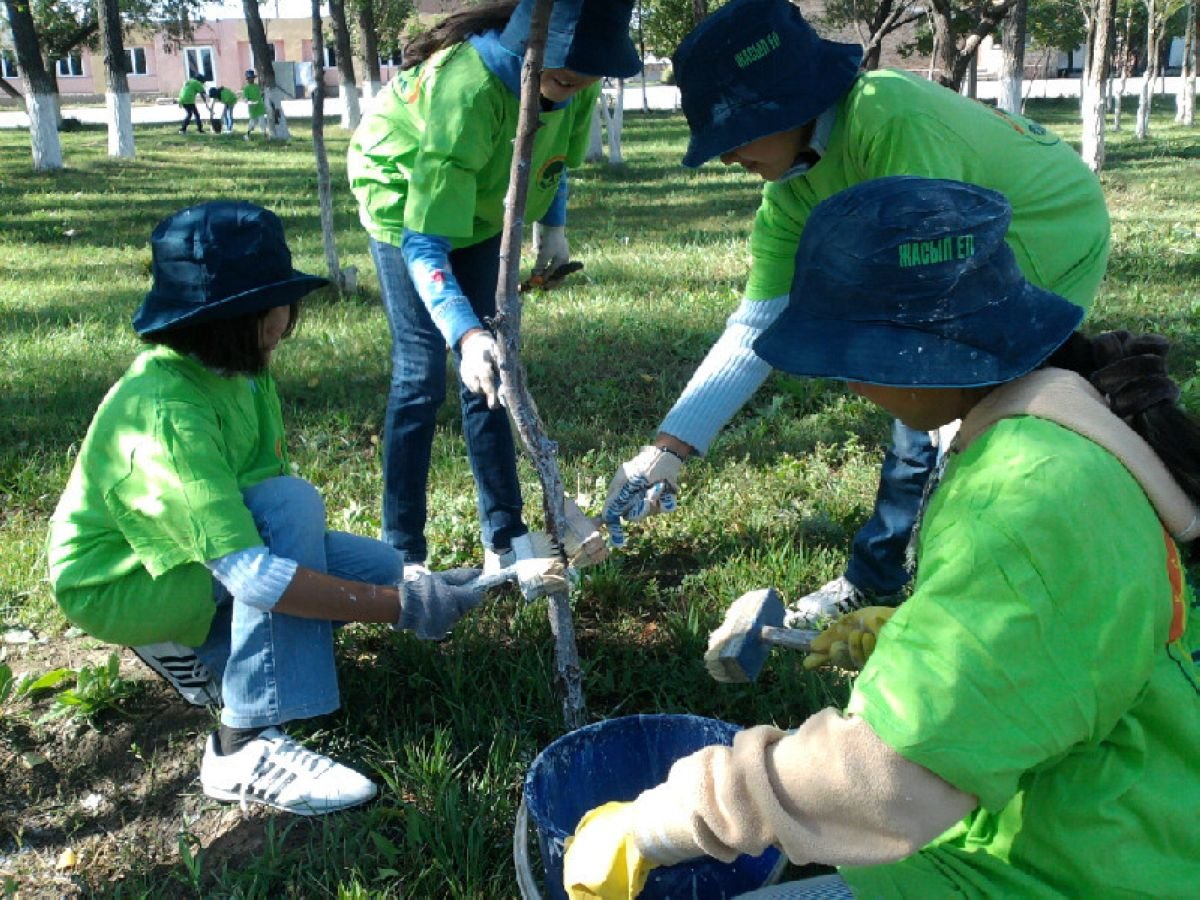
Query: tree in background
[[669, 21], [379, 29], [41, 96], [1101, 26], [345, 64], [1158, 14], [957, 33], [1185, 98], [1012, 58], [873, 20], [116, 84], [277, 126]]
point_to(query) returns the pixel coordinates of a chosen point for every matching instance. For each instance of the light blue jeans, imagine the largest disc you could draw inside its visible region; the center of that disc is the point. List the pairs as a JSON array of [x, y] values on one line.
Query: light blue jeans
[[276, 668]]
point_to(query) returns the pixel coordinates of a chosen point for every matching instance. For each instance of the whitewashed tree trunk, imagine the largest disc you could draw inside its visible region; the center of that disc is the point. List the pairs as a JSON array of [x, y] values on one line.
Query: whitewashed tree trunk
[[277, 125], [1185, 96], [371, 90], [614, 124], [595, 151], [1094, 81], [116, 95], [43, 131], [351, 110], [1012, 60], [120, 124]]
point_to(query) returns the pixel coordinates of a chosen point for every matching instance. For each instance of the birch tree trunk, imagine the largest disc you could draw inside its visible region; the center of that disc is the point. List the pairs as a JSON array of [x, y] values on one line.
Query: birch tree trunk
[[345, 62], [513, 387], [277, 126], [324, 186], [1154, 17], [1094, 80], [41, 95], [1126, 63], [116, 93], [1012, 60], [1185, 97], [368, 36]]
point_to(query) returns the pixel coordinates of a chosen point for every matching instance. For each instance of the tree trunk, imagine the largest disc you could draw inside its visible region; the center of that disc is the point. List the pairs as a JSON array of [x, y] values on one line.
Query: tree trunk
[[1126, 62], [1012, 65], [116, 94], [513, 387], [642, 52], [1092, 149], [1185, 97], [345, 63], [699, 11], [614, 120], [368, 37], [277, 126], [324, 186], [595, 151], [1146, 97], [41, 97]]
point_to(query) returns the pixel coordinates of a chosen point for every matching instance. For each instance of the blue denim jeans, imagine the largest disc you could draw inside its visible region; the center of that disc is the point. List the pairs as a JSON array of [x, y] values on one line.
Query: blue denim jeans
[[877, 555], [276, 668], [418, 389]]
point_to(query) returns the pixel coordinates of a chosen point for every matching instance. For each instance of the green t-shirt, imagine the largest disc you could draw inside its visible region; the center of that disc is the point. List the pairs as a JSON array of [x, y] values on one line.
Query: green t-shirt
[[1033, 668], [156, 492], [191, 88], [254, 100], [228, 97], [893, 123], [434, 155]]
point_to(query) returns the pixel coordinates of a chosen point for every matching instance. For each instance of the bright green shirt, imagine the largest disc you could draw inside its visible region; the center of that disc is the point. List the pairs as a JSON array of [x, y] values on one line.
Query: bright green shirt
[[156, 492], [254, 100], [435, 154], [1033, 668], [191, 88], [228, 97], [893, 123]]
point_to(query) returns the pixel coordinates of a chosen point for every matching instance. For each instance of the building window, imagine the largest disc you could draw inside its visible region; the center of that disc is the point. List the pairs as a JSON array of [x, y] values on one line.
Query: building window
[[396, 59], [199, 62], [330, 57], [71, 66], [8, 67], [135, 60]]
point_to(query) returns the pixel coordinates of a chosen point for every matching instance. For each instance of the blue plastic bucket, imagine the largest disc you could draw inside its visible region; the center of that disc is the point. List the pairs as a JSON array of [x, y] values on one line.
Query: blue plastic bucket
[[616, 760]]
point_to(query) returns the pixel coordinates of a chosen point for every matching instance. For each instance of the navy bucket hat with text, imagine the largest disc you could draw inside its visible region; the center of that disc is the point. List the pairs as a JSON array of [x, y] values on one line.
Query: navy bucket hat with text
[[907, 282], [219, 260], [754, 68], [590, 37]]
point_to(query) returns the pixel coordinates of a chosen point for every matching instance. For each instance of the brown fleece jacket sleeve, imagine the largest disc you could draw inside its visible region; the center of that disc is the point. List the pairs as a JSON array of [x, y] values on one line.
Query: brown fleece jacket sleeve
[[831, 792]]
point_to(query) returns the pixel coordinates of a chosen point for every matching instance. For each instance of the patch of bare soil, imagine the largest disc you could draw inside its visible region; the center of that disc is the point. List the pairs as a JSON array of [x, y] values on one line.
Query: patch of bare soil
[[83, 807]]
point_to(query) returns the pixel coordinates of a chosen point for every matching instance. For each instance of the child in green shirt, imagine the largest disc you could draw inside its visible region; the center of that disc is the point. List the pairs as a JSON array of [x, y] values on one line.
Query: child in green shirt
[[192, 88]]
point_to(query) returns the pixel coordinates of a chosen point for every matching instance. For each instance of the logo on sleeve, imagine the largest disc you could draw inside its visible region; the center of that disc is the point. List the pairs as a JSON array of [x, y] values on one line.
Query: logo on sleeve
[[551, 173]]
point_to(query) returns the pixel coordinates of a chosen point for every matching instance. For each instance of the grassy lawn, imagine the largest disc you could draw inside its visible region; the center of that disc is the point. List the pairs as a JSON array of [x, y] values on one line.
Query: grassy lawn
[[449, 729]]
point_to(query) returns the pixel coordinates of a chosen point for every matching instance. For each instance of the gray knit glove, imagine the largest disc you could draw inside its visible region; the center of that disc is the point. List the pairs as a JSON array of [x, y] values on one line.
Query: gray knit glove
[[433, 602]]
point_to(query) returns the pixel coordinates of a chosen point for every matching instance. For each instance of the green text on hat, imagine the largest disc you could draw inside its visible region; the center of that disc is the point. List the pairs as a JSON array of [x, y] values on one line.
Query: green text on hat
[[757, 50]]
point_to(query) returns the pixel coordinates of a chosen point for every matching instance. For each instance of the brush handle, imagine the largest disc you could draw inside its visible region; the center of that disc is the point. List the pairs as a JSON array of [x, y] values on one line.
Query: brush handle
[[792, 638]]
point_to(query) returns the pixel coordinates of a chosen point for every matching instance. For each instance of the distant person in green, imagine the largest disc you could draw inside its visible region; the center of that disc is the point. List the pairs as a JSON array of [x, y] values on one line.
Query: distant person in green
[[192, 88], [227, 99], [257, 110]]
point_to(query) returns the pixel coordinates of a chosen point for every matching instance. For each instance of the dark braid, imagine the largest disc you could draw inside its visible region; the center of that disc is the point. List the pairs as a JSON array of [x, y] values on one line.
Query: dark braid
[[457, 28], [1130, 370]]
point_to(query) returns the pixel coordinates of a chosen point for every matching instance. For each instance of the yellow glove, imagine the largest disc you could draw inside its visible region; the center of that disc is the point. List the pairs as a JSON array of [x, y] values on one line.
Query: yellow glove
[[849, 639], [601, 859]]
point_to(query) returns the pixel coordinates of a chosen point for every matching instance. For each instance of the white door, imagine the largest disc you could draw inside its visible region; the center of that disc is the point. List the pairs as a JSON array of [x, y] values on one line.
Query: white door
[[199, 62]]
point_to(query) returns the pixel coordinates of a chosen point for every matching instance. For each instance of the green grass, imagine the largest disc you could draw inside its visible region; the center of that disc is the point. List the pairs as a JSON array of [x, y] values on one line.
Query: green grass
[[449, 729]]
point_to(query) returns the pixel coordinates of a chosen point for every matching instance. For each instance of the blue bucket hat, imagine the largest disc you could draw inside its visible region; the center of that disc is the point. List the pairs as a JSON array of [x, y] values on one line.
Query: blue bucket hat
[[219, 260], [754, 68], [907, 282], [590, 37]]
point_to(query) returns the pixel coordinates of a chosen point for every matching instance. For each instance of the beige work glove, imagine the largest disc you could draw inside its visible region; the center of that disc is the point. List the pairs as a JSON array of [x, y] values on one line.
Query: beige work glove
[[478, 366]]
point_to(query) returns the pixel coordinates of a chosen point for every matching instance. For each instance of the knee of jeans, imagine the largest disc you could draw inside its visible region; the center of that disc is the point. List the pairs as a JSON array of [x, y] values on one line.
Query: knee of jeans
[[289, 496]]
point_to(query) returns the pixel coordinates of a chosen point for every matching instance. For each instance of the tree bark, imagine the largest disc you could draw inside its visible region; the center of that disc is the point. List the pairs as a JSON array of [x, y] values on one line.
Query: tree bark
[[614, 120], [324, 185], [513, 387], [41, 95], [277, 126], [1012, 66], [368, 37], [595, 151], [1185, 97], [954, 49], [699, 11], [1154, 29], [116, 94], [345, 63], [1095, 80]]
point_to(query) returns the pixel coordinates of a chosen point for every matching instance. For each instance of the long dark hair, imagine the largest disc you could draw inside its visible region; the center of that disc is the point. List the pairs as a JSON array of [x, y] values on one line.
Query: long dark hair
[[227, 346], [1130, 370], [457, 28]]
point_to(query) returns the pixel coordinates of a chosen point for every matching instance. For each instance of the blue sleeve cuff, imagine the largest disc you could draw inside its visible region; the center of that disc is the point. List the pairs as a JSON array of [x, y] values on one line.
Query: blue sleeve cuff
[[557, 213], [427, 257]]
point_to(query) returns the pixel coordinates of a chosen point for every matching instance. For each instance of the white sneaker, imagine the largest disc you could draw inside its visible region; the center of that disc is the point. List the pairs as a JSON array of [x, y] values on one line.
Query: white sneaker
[[276, 771], [832, 599], [181, 668]]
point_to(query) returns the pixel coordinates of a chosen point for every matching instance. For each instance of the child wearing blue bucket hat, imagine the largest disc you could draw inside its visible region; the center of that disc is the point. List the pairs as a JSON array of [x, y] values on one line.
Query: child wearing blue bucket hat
[[1026, 725], [762, 90], [183, 533], [430, 167]]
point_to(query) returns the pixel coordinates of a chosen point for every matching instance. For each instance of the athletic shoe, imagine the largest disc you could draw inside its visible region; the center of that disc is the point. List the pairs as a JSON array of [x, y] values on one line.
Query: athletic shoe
[[182, 669], [276, 771], [830, 600]]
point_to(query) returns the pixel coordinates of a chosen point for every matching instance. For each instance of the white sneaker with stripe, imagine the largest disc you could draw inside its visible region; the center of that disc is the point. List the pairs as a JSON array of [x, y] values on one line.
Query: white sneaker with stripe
[[276, 771]]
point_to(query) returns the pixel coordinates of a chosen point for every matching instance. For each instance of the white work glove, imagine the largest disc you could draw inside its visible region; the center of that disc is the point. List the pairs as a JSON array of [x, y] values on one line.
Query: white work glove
[[431, 603], [537, 565], [478, 366], [550, 247], [644, 486]]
